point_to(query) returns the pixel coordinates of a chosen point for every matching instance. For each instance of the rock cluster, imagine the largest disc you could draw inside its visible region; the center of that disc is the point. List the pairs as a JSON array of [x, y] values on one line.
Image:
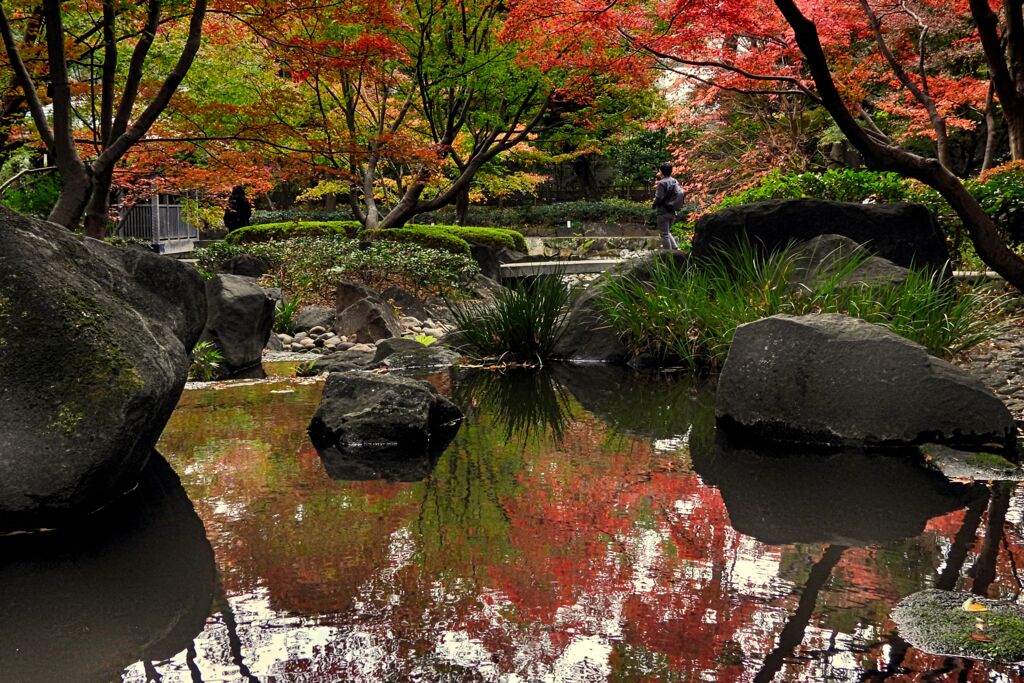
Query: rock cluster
[[323, 339]]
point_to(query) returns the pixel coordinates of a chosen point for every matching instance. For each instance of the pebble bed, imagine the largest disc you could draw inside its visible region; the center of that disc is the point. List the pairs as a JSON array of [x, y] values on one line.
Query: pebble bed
[[999, 364], [319, 340]]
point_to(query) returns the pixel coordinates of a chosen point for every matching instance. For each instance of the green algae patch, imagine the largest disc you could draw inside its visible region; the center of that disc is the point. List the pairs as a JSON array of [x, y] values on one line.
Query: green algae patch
[[937, 622], [971, 465], [94, 376]]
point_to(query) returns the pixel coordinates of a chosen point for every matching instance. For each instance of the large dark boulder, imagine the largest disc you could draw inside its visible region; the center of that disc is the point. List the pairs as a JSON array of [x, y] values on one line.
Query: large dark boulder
[[349, 292], [241, 317], [94, 345], [905, 234], [847, 498], [837, 381], [399, 353], [491, 258], [135, 581], [245, 265], [381, 426], [367, 321], [309, 317], [821, 257]]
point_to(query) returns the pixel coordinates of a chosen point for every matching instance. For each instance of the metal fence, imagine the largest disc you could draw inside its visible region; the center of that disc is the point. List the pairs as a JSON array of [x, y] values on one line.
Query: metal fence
[[159, 222]]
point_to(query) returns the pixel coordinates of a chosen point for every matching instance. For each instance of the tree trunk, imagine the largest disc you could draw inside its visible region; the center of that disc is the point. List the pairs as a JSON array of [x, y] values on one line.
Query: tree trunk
[[461, 206], [1015, 128], [991, 130], [76, 189], [372, 215], [96, 217], [586, 177]]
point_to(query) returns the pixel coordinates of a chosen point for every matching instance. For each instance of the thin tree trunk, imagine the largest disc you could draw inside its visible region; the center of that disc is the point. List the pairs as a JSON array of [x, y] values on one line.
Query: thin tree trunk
[[991, 130]]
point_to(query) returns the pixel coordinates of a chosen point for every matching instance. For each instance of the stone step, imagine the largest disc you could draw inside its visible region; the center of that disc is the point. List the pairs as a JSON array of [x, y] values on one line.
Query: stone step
[[534, 268]]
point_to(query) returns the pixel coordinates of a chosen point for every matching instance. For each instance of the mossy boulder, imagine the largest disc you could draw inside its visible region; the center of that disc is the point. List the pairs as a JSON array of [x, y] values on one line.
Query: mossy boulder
[[94, 344], [946, 623]]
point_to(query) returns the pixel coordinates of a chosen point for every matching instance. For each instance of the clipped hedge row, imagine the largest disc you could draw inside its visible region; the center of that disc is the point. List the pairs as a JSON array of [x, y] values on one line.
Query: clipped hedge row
[[282, 231], [453, 238], [429, 236]]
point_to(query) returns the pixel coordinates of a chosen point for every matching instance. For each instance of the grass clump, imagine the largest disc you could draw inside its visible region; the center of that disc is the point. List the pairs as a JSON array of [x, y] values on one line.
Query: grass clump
[[524, 322], [688, 312], [207, 361], [284, 314]]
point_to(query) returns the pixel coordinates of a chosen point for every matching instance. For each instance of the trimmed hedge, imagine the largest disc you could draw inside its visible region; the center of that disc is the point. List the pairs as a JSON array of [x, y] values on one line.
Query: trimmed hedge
[[429, 236], [279, 231], [453, 238]]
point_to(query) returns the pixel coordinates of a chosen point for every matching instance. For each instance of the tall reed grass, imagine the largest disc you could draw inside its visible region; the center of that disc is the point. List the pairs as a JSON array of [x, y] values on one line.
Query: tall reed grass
[[524, 322], [687, 313]]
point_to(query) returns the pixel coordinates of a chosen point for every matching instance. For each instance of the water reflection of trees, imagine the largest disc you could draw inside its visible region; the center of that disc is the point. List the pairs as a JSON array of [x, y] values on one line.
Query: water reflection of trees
[[527, 404]]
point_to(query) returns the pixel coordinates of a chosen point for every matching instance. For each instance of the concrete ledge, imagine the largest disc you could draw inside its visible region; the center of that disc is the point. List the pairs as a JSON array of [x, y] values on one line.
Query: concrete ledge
[[531, 269]]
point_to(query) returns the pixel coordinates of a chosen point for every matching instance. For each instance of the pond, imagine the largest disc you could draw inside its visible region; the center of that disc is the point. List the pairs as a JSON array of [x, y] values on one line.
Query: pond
[[586, 524]]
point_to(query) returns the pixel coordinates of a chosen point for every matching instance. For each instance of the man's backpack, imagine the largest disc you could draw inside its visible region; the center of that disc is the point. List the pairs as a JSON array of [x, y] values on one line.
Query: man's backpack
[[677, 199]]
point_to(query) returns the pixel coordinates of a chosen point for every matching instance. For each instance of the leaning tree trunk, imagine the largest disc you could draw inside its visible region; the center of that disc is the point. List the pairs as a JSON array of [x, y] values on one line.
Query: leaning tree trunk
[[885, 157]]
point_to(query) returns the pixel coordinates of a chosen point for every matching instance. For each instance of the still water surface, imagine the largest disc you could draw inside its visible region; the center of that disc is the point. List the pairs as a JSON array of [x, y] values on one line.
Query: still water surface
[[582, 526]]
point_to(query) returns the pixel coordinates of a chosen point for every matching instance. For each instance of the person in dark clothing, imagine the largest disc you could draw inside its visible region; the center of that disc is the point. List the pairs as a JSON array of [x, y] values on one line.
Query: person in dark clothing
[[239, 211], [665, 193]]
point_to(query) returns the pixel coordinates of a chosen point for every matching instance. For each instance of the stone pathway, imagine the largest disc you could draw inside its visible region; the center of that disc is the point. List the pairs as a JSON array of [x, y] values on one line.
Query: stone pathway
[[999, 364]]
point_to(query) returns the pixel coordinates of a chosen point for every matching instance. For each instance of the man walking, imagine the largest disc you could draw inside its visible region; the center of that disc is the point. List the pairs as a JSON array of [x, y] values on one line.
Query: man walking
[[668, 198]]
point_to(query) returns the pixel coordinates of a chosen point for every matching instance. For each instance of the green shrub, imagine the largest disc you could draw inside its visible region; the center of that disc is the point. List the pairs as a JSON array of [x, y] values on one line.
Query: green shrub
[[284, 314], [1000, 192], [206, 362], [280, 231], [311, 267], [454, 238], [216, 253], [490, 237], [523, 323], [426, 236], [840, 185], [689, 312]]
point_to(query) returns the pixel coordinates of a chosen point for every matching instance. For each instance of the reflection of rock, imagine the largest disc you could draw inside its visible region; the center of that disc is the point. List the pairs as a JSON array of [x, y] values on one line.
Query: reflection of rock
[[363, 463], [93, 358], [937, 622], [135, 581], [846, 498], [832, 380], [369, 423], [658, 406]]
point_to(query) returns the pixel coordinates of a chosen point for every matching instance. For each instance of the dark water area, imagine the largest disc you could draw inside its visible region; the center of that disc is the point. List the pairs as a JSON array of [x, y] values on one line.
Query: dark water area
[[585, 524]]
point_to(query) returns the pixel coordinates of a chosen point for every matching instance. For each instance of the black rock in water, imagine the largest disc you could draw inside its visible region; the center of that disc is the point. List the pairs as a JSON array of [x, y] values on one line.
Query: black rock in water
[[373, 420], [94, 344], [830, 380], [241, 316]]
